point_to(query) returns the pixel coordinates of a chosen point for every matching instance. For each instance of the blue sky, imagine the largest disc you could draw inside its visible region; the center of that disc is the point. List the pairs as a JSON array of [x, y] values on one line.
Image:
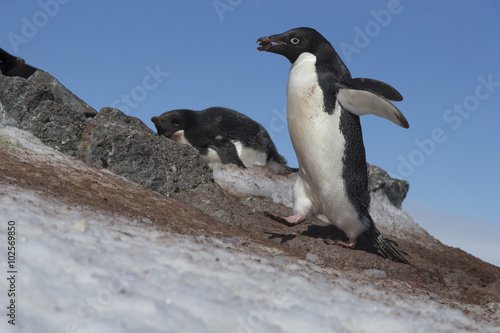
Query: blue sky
[[148, 57]]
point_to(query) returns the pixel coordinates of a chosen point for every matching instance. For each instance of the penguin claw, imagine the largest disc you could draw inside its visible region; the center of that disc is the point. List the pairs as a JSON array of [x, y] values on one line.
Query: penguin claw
[[349, 245], [289, 221]]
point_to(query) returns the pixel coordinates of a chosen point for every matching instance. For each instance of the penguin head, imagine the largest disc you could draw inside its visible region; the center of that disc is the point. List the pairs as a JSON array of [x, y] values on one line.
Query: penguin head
[[7, 65], [294, 42], [170, 122]]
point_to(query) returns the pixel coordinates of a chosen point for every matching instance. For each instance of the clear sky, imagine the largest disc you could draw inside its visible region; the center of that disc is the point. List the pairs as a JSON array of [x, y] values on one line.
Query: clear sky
[[148, 57]]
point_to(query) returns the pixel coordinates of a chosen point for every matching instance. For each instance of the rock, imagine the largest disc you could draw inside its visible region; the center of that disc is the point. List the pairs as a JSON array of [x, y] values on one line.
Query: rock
[[127, 147], [375, 273], [62, 93], [312, 257], [34, 108], [433, 296], [122, 144], [395, 189], [111, 140]]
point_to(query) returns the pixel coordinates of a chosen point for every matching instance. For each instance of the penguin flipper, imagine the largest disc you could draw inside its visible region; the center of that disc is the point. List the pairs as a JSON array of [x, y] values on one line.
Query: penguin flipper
[[378, 87], [362, 102], [227, 151]]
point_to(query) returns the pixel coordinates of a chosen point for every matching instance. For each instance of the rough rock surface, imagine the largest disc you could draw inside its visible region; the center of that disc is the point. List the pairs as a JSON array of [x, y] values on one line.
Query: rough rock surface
[[62, 93], [125, 146], [394, 189], [34, 108]]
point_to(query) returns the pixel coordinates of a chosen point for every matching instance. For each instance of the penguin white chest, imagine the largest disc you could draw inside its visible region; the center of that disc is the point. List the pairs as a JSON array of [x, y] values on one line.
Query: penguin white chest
[[319, 145], [314, 132], [249, 156]]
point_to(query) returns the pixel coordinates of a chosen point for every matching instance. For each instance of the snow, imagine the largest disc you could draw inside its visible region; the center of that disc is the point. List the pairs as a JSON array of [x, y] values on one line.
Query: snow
[[106, 277], [254, 181], [85, 270]]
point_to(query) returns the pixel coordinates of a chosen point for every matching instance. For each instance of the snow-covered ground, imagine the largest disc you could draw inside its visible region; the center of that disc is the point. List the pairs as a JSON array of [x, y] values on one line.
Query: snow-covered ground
[[84, 270], [78, 272]]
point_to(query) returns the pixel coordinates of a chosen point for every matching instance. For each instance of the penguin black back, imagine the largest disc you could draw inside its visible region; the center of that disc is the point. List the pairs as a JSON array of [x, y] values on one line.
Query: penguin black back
[[233, 136]]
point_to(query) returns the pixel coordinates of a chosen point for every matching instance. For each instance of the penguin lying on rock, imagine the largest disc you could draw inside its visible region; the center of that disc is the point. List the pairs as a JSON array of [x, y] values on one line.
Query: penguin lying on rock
[[323, 108], [14, 66], [223, 135]]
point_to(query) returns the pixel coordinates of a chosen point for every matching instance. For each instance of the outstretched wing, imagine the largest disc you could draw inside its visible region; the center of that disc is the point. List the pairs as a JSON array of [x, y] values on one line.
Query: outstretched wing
[[362, 102], [378, 87]]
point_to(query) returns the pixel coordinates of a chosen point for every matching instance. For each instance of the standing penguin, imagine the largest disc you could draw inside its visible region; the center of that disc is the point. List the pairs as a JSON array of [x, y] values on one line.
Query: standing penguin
[[323, 109]]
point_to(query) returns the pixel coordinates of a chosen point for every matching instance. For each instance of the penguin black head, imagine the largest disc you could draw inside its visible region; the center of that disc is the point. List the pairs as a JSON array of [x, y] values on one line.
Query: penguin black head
[[14, 66], [7, 65], [293, 43], [172, 121]]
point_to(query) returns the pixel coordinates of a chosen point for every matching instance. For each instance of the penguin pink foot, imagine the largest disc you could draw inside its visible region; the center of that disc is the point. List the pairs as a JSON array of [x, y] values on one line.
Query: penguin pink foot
[[351, 244], [289, 221]]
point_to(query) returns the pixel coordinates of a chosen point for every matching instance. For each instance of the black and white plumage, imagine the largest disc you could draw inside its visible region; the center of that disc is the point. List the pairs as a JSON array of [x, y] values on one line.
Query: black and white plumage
[[14, 66], [222, 135], [323, 108]]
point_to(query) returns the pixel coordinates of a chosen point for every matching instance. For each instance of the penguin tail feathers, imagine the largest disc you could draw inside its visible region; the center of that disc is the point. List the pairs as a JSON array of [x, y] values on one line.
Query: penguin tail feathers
[[384, 246]]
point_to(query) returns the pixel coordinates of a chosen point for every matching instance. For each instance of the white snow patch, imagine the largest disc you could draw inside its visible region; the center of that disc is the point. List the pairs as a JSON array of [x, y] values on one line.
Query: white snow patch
[[375, 273], [255, 181]]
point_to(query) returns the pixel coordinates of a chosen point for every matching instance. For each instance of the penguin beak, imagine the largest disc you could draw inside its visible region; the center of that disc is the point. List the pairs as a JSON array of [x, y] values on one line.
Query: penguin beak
[[157, 122], [266, 43]]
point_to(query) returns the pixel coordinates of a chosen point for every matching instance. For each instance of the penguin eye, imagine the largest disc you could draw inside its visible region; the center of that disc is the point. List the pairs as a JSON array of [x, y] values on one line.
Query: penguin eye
[[294, 40], [176, 123]]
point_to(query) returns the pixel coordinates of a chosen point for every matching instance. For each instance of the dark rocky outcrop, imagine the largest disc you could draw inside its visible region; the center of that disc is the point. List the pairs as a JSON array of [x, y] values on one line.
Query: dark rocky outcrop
[[34, 108], [395, 189], [127, 147], [62, 93], [111, 139]]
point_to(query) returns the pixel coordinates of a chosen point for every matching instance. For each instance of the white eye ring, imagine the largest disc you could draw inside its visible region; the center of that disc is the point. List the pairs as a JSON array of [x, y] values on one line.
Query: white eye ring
[[294, 40]]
